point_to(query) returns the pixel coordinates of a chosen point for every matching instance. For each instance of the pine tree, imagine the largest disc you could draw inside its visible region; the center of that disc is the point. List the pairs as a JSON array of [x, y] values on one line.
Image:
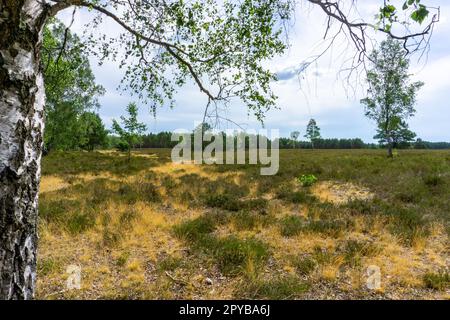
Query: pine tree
[[312, 132]]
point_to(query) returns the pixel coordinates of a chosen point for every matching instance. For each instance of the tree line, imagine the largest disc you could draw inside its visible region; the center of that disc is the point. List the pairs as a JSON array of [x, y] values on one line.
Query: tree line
[[163, 140]]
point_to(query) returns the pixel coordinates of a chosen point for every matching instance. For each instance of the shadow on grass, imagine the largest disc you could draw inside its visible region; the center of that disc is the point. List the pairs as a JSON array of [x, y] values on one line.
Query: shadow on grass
[[80, 214], [76, 162]]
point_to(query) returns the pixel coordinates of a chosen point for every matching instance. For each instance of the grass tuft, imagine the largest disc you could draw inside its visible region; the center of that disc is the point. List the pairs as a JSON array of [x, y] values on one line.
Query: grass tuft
[[355, 250], [230, 203], [169, 263], [48, 266], [438, 281], [280, 288], [291, 226], [250, 220], [194, 230], [304, 265], [233, 255]]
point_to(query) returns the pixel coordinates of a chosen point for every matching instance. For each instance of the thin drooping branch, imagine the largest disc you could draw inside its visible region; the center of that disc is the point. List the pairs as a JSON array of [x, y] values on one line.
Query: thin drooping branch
[[193, 73], [360, 35], [357, 30], [171, 48], [64, 4]]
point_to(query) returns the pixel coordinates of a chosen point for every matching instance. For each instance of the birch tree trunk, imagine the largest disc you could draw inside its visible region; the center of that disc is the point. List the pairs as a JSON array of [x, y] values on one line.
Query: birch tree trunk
[[22, 100]]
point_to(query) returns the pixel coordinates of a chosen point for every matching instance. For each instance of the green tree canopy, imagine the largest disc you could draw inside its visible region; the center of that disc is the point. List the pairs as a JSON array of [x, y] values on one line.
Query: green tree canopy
[[70, 86], [131, 130], [391, 96], [93, 130], [312, 131], [221, 45]]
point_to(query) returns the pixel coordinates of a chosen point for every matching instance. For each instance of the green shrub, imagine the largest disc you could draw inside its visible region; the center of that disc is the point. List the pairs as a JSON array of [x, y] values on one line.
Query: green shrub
[[360, 207], [328, 227], [291, 225], [111, 237], [230, 203], [95, 192], [128, 194], [230, 254], [304, 265], [169, 183], [298, 197], [322, 256], [148, 192], [222, 201], [122, 146], [254, 204], [407, 197], [407, 223], [283, 191], [127, 217], [71, 215], [233, 254], [294, 196], [80, 221], [249, 220], [193, 230], [307, 180], [57, 211]]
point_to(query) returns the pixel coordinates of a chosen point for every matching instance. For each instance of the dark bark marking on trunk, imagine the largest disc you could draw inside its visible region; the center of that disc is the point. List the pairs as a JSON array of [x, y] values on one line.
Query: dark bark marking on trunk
[[21, 137]]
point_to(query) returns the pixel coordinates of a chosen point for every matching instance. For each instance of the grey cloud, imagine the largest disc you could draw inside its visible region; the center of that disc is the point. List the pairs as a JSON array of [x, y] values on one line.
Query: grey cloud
[[292, 72]]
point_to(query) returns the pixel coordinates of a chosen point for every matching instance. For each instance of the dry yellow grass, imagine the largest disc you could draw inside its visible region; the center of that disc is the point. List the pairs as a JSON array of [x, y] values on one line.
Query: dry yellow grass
[[131, 267], [52, 183], [340, 193]]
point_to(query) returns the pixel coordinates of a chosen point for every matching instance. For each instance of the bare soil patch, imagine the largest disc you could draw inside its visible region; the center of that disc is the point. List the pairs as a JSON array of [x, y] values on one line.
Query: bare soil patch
[[340, 193]]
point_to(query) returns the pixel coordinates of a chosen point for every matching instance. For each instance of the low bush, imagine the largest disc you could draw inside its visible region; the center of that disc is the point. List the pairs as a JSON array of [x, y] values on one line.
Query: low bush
[[307, 180]]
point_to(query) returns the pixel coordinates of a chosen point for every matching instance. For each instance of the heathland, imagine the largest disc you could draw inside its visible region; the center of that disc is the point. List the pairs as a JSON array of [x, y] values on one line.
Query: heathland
[[152, 229]]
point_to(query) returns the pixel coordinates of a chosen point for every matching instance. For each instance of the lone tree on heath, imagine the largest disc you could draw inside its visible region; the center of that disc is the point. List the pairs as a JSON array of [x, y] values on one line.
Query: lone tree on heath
[[312, 132], [132, 130], [391, 97], [221, 46], [294, 137]]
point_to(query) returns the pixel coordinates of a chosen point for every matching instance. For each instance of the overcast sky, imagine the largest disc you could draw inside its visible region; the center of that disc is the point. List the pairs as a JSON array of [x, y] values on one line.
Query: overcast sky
[[319, 93]]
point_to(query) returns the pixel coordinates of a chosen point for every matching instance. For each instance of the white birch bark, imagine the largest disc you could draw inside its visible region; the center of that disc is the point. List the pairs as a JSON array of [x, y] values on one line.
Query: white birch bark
[[22, 100]]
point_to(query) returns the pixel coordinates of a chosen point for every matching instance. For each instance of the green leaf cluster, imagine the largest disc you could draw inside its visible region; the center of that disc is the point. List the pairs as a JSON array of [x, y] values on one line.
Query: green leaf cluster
[[71, 91]]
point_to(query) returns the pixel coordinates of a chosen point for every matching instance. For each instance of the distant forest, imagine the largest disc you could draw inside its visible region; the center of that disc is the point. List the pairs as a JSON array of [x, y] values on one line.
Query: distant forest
[[163, 140]]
